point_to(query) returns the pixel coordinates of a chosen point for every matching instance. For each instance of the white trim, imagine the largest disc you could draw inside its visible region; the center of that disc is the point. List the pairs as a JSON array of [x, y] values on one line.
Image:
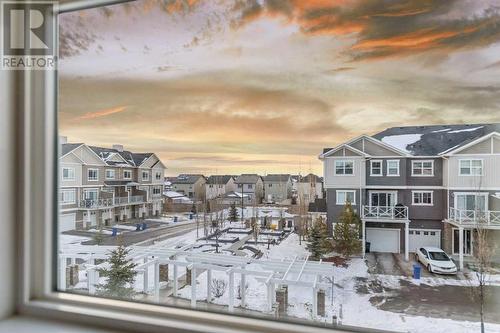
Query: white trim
[[389, 187], [338, 203], [106, 174], [343, 174], [97, 173], [387, 168], [473, 188], [453, 241], [381, 168], [422, 161], [470, 167], [369, 138], [477, 193], [422, 192], [370, 192], [61, 196], [127, 170], [344, 146], [68, 179]]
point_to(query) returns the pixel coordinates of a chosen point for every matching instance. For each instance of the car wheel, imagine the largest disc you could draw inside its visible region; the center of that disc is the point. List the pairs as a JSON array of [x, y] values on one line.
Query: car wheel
[[429, 268]]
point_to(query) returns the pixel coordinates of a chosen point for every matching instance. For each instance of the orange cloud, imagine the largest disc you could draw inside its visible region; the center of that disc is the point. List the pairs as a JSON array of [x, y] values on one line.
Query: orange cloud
[[102, 113]]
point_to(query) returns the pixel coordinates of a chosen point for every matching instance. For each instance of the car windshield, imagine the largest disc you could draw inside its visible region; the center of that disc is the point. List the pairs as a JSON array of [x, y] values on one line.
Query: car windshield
[[440, 256]]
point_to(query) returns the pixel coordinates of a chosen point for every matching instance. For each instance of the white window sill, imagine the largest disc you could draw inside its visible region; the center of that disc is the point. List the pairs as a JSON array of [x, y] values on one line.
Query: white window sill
[[25, 324]]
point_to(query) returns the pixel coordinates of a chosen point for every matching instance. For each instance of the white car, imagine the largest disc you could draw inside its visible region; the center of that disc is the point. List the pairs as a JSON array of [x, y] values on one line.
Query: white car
[[436, 260]]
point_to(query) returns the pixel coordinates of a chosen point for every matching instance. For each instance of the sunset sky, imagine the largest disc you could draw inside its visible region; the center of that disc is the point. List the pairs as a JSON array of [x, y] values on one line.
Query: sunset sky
[[237, 86]]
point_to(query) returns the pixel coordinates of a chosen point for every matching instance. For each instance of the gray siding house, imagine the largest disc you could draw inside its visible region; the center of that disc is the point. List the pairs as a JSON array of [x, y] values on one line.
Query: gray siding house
[[191, 185], [277, 187], [411, 184], [252, 185]]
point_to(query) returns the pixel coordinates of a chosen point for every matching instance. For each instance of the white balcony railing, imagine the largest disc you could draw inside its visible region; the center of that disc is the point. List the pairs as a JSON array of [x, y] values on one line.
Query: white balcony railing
[[95, 203], [472, 217], [385, 212], [129, 200]]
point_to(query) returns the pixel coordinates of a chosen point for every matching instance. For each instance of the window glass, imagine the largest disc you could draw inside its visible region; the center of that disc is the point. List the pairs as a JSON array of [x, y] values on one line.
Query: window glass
[[376, 168], [93, 174], [68, 173], [392, 168]]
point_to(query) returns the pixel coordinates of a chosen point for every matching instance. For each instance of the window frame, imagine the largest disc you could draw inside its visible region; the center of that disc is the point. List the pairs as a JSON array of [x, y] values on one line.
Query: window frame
[[67, 190], [413, 174], [422, 193], [338, 203], [471, 168], [68, 179], [127, 170], [388, 168], [96, 172], [37, 231], [344, 168], [371, 168], [106, 174]]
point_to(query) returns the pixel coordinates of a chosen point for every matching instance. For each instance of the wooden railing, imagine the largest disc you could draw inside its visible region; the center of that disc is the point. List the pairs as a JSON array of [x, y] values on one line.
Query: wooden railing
[[385, 212]]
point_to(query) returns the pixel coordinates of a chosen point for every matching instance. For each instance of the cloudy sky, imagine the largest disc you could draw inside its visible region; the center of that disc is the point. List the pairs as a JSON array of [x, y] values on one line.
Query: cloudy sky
[[234, 86]]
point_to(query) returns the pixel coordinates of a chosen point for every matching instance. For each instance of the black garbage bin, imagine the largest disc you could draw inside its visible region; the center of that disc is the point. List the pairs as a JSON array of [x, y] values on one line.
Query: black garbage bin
[[367, 247]]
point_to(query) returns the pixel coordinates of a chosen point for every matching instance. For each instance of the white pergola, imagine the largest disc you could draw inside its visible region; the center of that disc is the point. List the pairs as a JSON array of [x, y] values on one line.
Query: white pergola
[[273, 273]]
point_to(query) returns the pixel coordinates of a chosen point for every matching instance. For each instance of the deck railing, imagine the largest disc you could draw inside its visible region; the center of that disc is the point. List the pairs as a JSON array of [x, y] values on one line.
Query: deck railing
[[385, 212], [472, 217], [110, 202]]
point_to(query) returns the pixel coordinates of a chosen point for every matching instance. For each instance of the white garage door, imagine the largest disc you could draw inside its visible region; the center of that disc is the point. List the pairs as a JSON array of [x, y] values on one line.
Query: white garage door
[[67, 222], [424, 237], [383, 240]]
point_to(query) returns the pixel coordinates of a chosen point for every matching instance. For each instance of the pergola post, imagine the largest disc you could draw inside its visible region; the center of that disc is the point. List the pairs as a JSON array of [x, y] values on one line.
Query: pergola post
[[315, 303], [242, 289], [231, 291], [157, 281], [209, 285], [62, 273], [175, 280], [461, 247], [146, 276], [363, 231], [407, 236], [193, 287], [269, 297]]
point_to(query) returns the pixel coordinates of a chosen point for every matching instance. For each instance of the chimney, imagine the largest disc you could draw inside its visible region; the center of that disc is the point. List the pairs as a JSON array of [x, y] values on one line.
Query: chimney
[[118, 147], [63, 139]]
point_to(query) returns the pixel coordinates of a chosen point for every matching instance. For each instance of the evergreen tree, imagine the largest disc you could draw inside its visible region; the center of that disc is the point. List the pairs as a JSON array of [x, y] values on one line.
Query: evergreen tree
[[99, 236], [120, 275], [317, 241], [346, 232], [233, 213]]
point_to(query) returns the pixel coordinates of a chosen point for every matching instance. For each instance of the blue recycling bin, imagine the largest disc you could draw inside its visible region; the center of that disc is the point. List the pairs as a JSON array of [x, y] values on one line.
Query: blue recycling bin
[[144, 226], [416, 271], [114, 231], [137, 227], [175, 218], [190, 216]]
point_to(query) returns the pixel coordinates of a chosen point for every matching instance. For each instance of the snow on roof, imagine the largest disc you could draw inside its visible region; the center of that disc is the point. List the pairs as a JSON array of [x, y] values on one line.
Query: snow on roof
[[442, 130], [236, 195], [466, 130], [402, 141], [173, 194]]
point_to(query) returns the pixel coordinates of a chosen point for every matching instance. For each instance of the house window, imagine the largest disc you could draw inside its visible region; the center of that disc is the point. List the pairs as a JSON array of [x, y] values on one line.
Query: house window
[[270, 185], [68, 173], [471, 167], [158, 175], [145, 175], [422, 198], [110, 174], [393, 168], [127, 174], [422, 168], [92, 174], [68, 196], [250, 186], [346, 196], [375, 168], [344, 168], [90, 194], [156, 190]]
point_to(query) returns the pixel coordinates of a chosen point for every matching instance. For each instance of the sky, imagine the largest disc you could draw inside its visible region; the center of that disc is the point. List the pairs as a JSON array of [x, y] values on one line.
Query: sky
[[234, 86]]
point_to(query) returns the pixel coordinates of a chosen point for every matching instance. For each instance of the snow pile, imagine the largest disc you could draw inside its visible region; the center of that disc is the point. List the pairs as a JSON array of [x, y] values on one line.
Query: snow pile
[[402, 141], [466, 130]]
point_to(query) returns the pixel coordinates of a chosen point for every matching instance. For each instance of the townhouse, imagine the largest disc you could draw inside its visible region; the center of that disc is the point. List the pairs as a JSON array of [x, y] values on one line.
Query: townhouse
[[103, 186], [277, 187], [251, 185], [309, 187], [191, 185], [418, 186], [217, 186]]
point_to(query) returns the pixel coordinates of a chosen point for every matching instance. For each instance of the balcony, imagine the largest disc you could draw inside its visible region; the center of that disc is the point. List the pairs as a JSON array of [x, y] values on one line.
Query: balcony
[[95, 203], [385, 213], [487, 218], [135, 199]]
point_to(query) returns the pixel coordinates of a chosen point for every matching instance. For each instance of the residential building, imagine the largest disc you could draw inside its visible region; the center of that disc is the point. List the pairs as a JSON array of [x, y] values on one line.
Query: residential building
[[191, 185], [236, 198], [102, 186], [217, 186], [415, 186], [277, 187], [252, 185], [309, 187]]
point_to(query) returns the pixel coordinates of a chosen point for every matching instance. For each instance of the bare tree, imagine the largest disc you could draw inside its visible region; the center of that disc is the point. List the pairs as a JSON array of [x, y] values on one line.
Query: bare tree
[[219, 287], [303, 217]]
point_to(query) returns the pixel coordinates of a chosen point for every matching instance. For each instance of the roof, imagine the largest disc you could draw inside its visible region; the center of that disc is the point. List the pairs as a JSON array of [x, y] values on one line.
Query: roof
[[132, 159], [186, 179], [310, 178], [276, 178], [435, 139], [120, 183], [67, 147], [222, 180], [234, 194], [247, 178]]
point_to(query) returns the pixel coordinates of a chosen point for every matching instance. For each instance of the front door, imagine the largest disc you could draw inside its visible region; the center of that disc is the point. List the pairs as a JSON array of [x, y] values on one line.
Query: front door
[[467, 241]]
